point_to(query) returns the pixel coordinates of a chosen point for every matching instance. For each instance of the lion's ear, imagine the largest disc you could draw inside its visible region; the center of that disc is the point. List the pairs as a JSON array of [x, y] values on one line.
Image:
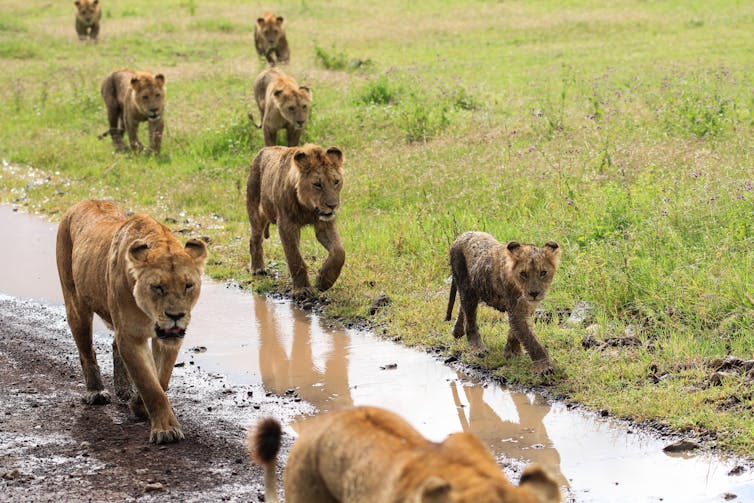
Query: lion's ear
[[160, 78], [135, 82], [197, 250], [260, 20], [137, 252], [77, 3], [306, 89], [434, 490], [277, 92], [552, 252], [300, 159], [335, 155], [96, 2], [537, 481], [280, 19]]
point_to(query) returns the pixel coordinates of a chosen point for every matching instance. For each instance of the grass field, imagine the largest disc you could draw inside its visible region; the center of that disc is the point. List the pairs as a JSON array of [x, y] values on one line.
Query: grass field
[[624, 133]]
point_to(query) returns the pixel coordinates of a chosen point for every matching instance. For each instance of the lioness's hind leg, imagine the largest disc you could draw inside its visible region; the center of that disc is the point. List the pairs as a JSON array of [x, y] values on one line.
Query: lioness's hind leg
[[80, 321], [512, 346], [458, 330], [123, 388]]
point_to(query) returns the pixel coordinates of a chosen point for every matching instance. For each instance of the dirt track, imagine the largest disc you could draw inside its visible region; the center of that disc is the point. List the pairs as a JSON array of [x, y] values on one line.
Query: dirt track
[[55, 448]]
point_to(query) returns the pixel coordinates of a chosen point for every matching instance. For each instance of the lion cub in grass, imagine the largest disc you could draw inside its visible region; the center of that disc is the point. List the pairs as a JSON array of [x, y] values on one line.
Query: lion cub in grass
[[512, 278], [133, 273], [371, 455], [131, 98], [292, 187], [88, 15], [269, 39], [283, 104]]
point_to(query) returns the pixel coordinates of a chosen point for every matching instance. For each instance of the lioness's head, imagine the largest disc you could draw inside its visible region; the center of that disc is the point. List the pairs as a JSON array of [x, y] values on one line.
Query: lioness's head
[[531, 268], [149, 94], [87, 10], [293, 103], [269, 30], [319, 179], [168, 279]]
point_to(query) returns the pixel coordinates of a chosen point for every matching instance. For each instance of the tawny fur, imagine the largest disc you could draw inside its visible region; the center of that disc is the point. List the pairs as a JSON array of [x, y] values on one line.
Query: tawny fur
[[511, 278], [88, 15], [269, 39], [283, 104], [132, 97], [292, 187], [135, 275], [367, 454]]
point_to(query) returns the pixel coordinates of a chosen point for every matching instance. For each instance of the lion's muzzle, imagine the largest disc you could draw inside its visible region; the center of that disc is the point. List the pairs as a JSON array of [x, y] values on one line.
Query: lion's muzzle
[[175, 332]]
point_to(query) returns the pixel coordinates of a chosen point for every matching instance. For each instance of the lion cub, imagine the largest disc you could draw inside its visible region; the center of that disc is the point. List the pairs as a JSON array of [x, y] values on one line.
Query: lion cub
[[132, 97], [134, 274], [368, 454], [512, 277], [282, 104], [269, 39], [293, 187], [88, 15]]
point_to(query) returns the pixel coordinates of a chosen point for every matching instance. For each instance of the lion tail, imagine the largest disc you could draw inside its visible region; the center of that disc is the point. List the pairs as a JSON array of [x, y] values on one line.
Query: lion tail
[[451, 300], [263, 444], [251, 118], [103, 135]]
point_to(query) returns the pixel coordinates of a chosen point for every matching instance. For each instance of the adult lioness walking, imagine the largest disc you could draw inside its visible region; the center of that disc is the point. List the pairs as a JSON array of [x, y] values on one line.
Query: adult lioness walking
[[132, 98], [512, 277], [135, 275], [294, 187]]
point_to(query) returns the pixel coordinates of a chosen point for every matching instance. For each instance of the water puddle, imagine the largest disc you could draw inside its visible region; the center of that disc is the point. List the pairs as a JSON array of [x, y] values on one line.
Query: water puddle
[[252, 340]]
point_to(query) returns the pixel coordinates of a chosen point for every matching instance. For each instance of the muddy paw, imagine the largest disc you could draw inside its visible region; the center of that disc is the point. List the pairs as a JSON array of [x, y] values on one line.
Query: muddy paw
[[101, 397], [137, 406], [259, 272], [166, 436], [543, 367], [303, 293]]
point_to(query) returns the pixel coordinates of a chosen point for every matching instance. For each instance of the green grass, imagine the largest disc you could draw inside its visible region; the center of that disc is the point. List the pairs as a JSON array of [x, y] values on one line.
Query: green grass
[[623, 132]]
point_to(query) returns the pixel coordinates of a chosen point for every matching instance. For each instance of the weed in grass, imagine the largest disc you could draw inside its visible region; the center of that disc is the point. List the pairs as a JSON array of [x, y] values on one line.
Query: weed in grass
[[338, 60], [379, 91], [16, 49]]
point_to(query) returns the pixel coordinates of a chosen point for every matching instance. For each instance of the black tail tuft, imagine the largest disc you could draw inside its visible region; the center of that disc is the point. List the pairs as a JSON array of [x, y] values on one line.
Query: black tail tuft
[[264, 441]]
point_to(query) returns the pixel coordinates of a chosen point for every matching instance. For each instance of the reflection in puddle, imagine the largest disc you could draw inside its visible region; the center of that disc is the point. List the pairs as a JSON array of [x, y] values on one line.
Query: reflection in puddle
[[251, 340]]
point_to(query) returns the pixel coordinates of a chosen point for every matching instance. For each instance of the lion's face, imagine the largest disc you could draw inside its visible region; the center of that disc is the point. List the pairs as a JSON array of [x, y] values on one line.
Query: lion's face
[[532, 268], [320, 179], [149, 94], [293, 104], [88, 10], [269, 30], [167, 284]]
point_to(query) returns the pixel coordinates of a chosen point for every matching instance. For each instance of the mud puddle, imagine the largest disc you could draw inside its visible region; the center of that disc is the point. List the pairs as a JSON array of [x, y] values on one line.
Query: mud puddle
[[250, 340]]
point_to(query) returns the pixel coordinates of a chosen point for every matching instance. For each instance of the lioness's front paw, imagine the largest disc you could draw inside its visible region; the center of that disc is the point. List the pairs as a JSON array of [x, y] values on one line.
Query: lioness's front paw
[[166, 436], [302, 293], [166, 431], [101, 397]]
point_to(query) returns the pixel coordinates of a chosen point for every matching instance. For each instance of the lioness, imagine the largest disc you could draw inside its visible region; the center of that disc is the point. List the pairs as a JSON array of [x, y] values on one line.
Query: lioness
[[294, 187], [135, 275], [282, 104], [88, 15], [370, 455], [512, 278], [269, 39], [132, 97]]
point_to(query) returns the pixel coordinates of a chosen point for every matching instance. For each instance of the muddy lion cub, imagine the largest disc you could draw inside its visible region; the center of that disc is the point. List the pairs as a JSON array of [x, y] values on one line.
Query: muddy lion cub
[[269, 39], [371, 455], [512, 278]]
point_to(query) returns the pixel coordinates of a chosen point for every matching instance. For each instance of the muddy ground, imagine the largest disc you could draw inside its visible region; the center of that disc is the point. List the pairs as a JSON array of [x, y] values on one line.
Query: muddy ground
[[55, 448]]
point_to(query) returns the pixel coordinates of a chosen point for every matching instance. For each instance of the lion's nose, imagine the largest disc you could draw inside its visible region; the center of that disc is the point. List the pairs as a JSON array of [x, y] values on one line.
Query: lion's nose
[[301, 123], [176, 316], [534, 294], [332, 206]]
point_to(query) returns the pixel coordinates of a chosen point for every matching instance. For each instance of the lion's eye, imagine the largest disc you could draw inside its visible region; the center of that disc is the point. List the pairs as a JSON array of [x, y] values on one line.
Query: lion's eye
[[189, 287], [543, 274], [157, 95], [291, 108], [318, 185], [524, 275], [336, 182], [303, 106], [158, 289]]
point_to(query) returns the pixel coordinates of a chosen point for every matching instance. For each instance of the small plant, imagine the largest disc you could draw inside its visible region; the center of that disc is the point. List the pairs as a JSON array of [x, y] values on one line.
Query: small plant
[[338, 60], [378, 91]]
